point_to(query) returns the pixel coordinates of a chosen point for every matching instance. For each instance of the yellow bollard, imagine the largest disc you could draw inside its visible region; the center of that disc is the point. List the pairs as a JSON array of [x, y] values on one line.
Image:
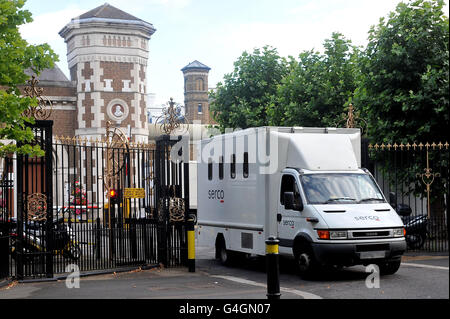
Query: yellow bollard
[[273, 268], [191, 246]]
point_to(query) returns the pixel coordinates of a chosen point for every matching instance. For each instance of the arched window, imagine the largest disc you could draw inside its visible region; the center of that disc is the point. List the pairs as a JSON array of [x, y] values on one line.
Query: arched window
[[199, 85]]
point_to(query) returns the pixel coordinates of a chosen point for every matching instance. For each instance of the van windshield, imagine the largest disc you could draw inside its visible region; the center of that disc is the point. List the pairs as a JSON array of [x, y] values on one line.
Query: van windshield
[[341, 188]]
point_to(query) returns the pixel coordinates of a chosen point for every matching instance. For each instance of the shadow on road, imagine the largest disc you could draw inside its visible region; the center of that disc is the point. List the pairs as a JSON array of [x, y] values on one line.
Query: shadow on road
[[288, 268]]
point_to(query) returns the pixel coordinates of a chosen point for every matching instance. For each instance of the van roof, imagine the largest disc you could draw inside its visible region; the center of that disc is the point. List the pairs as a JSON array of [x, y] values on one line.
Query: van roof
[[314, 149]]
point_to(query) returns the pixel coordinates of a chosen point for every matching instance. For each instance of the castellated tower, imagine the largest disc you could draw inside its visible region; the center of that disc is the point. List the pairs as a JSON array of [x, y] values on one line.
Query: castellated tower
[[196, 97], [107, 53]]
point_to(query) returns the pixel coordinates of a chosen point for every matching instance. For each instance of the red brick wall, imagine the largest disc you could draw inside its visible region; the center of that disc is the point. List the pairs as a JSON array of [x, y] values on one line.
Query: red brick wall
[[64, 122]]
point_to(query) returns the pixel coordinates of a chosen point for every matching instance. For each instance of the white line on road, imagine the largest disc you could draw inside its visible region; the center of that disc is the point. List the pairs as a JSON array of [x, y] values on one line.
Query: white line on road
[[425, 266], [305, 295]]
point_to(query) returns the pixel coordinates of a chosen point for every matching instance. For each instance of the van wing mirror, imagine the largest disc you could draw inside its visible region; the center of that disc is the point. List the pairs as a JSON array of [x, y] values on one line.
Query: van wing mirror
[[290, 202], [288, 198], [393, 199]]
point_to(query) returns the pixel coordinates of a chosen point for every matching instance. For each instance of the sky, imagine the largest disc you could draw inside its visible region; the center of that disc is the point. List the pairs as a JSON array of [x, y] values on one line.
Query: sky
[[215, 32]]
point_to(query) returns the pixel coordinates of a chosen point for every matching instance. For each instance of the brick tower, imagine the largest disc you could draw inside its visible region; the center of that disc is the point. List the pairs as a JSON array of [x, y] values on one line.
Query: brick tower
[[196, 92], [107, 53]]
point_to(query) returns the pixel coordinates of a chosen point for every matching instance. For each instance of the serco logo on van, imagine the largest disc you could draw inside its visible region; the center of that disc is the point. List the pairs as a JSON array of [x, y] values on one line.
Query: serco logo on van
[[216, 194], [363, 218]]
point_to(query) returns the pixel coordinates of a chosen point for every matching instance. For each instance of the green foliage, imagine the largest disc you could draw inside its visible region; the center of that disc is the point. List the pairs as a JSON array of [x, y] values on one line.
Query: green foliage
[[16, 55], [318, 87], [266, 89], [405, 88], [242, 100], [399, 83]]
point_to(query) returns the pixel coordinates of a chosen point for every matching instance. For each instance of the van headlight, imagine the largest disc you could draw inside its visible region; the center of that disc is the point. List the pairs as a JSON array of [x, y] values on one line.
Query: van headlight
[[338, 234], [399, 232]]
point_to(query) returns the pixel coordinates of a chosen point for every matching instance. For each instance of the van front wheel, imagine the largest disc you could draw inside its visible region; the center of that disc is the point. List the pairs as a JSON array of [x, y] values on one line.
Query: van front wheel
[[389, 267], [306, 263]]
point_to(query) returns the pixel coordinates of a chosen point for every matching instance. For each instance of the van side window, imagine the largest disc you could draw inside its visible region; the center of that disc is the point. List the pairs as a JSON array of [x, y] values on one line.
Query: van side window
[[288, 184], [246, 172], [233, 166], [210, 170], [221, 168]]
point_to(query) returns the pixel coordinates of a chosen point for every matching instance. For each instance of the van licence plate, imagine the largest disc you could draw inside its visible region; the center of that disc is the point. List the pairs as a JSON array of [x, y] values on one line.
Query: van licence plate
[[372, 254]]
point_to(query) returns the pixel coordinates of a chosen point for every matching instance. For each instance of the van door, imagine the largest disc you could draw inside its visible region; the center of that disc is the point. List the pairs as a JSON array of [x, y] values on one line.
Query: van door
[[289, 218]]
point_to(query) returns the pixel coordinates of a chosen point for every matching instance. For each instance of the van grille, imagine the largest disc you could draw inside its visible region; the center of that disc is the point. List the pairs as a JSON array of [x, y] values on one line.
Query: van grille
[[370, 234]]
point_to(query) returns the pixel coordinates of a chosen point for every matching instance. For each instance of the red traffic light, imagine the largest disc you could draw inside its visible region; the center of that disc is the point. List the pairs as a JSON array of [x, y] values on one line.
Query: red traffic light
[[113, 194]]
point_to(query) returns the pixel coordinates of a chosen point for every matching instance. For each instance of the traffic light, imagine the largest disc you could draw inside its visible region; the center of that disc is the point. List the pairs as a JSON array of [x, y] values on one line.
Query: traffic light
[[113, 195]]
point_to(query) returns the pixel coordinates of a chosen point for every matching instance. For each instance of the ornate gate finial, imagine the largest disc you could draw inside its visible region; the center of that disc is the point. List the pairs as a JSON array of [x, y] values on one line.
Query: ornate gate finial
[[352, 119], [170, 118], [117, 149], [41, 111], [428, 179]]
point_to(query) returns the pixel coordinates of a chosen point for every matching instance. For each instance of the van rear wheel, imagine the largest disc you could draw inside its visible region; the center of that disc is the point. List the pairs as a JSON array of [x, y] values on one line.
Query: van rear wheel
[[222, 254]]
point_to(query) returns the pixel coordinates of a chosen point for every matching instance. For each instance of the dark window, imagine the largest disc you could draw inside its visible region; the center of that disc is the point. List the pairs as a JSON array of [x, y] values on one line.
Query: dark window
[[246, 165], [210, 170], [288, 184], [221, 168], [233, 166], [200, 108]]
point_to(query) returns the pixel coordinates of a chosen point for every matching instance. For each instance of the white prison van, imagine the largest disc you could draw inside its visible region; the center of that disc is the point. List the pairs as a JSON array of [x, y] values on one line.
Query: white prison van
[[306, 187]]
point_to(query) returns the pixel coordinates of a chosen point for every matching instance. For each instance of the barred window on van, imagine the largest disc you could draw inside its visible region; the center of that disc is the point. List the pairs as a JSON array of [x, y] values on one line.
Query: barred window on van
[[210, 169], [246, 169], [221, 168], [233, 166]]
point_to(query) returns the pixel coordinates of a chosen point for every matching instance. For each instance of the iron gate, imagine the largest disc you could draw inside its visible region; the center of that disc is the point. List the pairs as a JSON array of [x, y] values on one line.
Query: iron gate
[[32, 240], [172, 199], [67, 215], [5, 202], [418, 175]]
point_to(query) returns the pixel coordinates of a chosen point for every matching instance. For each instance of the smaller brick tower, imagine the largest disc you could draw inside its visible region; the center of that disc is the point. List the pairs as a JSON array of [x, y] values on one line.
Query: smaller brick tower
[[196, 93]]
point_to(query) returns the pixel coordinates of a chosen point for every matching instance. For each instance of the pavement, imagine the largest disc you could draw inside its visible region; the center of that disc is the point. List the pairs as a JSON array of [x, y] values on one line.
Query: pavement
[[144, 284]]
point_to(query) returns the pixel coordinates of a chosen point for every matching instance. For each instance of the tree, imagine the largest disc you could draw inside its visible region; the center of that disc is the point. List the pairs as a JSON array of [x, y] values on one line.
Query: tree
[[16, 56], [319, 87], [405, 89], [243, 99]]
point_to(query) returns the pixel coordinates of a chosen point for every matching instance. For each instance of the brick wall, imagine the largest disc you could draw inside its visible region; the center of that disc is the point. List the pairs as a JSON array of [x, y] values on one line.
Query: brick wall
[[64, 123]]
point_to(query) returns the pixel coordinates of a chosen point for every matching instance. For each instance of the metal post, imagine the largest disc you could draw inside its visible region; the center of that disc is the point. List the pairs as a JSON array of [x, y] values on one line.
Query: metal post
[[191, 245], [48, 182], [98, 241], [273, 268], [21, 162]]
